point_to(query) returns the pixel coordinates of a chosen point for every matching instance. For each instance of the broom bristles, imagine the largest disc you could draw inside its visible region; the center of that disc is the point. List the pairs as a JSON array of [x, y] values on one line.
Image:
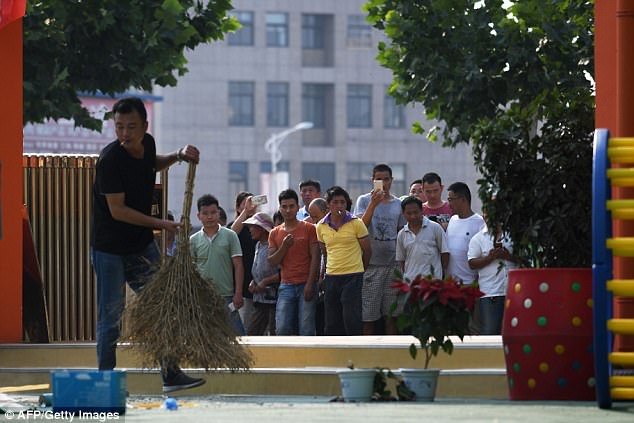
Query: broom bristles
[[178, 317]]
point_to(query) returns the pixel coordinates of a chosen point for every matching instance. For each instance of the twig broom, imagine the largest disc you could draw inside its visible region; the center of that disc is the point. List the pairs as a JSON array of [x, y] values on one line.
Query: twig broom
[[178, 317]]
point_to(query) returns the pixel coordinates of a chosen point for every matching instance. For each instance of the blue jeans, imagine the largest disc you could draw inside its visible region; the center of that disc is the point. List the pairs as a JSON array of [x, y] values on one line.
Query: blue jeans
[[233, 317], [491, 314], [112, 272], [293, 312]]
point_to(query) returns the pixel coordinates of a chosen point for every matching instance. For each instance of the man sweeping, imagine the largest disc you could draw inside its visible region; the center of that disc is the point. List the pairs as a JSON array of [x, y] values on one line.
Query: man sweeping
[[123, 246]]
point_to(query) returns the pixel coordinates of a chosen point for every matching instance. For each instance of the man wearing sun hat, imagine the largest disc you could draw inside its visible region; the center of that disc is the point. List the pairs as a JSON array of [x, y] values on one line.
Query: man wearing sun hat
[[266, 278]]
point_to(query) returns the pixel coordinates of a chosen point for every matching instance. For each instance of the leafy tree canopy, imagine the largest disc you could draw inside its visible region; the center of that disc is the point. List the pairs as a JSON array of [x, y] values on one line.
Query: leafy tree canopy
[[514, 79], [109, 46]]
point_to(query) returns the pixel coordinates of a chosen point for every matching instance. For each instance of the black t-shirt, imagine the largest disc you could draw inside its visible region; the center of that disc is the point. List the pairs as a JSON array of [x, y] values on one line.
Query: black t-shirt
[[248, 255], [117, 172]]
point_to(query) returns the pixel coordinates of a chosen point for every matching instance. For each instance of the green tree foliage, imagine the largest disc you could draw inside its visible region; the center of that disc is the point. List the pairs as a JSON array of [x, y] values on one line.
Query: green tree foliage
[[109, 46], [513, 79]]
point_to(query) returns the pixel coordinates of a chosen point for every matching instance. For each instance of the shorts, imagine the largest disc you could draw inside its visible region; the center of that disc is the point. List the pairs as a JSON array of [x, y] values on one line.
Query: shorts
[[377, 295]]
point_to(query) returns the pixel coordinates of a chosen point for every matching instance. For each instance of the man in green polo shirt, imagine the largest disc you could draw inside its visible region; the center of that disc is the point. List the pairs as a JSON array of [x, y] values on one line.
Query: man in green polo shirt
[[218, 256]]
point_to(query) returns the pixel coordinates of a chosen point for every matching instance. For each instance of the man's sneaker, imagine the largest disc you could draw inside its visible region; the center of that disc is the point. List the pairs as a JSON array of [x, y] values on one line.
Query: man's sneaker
[[181, 381]]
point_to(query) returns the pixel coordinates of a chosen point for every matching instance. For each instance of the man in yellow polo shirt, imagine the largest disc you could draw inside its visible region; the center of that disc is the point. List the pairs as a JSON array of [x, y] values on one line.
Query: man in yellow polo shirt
[[344, 241]]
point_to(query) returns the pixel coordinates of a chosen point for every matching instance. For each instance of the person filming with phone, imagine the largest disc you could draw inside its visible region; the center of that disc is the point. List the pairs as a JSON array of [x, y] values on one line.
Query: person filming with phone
[[381, 213], [491, 254]]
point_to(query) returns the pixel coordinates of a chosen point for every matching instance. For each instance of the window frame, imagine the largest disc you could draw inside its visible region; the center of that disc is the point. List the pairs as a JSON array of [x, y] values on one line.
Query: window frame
[[275, 29], [359, 106], [314, 96], [242, 98], [313, 31], [277, 97], [245, 36], [359, 33], [392, 111]]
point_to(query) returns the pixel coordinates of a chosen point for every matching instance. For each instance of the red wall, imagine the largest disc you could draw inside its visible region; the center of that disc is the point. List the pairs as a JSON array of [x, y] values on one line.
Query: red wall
[[11, 181]]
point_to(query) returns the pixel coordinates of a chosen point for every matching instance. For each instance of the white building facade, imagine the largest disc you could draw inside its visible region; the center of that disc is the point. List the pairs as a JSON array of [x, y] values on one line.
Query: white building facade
[[296, 61]]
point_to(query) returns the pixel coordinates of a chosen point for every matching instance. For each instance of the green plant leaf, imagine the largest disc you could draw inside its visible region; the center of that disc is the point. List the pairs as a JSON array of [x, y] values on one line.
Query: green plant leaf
[[109, 46], [515, 83], [413, 351]]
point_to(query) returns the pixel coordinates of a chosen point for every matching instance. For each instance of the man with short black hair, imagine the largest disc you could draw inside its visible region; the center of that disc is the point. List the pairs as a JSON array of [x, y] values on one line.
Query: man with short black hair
[[293, 246], [381, 213], [244, 210], [463, 225], [123, 247], [421, 246], [308, 190], [218, 256], [344, 241], [434, 207], [416, 190]]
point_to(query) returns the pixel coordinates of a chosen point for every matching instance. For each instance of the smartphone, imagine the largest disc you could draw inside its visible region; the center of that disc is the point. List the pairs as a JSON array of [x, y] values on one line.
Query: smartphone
[[378, 185], [258, 200]]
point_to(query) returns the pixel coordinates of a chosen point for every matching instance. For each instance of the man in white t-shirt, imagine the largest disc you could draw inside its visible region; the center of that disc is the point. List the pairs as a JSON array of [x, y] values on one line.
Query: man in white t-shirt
[[463, 225], [491, 255]]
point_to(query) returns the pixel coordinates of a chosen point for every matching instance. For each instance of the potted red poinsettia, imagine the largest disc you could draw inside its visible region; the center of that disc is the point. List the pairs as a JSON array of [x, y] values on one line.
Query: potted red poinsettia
[[434, 310]]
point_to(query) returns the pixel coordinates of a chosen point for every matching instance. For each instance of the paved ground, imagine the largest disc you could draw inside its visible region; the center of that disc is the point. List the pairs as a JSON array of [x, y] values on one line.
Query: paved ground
[[233, 409]]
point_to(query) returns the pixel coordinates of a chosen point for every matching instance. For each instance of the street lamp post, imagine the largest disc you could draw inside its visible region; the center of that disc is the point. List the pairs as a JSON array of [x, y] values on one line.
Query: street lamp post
[[272, 146]]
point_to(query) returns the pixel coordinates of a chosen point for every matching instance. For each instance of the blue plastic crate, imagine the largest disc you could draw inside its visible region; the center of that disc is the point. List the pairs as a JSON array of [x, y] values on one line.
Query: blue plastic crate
[[89, 390]]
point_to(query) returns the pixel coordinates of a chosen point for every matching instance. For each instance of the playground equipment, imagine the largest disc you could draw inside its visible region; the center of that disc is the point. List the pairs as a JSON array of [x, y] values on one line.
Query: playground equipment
[[613, 380]]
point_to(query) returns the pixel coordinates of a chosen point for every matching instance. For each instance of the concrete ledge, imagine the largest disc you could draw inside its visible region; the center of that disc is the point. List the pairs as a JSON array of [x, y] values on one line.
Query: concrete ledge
[[462, 383], [277, 351], [382, 341]]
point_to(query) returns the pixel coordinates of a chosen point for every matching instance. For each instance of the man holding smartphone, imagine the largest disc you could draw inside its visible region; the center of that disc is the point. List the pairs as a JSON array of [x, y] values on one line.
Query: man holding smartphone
[[244, 210], [381, 213], [490, 253]]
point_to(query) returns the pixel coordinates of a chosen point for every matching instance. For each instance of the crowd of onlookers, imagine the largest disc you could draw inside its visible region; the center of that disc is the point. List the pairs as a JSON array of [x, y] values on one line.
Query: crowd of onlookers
[[324, 265], [323, 268]]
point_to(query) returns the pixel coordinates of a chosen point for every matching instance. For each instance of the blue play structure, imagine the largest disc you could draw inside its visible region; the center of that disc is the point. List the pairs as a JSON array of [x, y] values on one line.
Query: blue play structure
[[614, 371]]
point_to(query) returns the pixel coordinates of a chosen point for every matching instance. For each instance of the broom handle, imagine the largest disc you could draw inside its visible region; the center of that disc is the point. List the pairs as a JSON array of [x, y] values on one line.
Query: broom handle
[[183, 234]]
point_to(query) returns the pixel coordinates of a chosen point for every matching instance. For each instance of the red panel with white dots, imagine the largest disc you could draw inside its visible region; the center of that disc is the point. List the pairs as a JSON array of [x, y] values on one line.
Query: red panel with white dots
[[547, 334]]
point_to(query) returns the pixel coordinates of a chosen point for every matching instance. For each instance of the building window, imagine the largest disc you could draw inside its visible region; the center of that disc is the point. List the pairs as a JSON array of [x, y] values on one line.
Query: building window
[[277, 104], [314, 104], [322, 172], [360, 179], [313, 30], [393, 114], [359, 106], [399, 184], [241, 103], [238, 177], [244, 35], [282, 166], [277, 29], [359, 32]]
